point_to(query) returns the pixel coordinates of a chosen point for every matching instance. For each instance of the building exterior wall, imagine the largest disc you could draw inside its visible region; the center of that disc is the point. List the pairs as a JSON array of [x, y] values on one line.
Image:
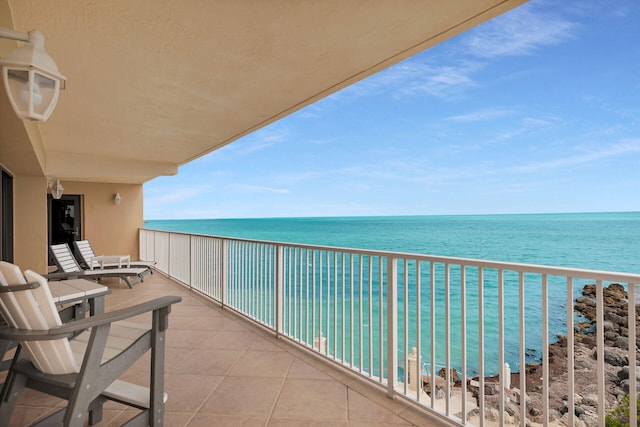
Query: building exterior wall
[[30, 222], [112, 229]]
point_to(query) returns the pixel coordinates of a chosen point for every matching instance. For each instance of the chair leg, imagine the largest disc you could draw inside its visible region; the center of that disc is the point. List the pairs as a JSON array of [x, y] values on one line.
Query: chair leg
[[126, 279], [156, 401], [13, 385], [84, 391], [5, 346], [95, 411]]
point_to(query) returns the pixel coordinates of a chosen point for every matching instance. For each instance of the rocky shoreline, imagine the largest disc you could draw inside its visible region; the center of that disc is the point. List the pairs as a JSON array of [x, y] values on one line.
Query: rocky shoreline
[[616, 334], [616, 342]]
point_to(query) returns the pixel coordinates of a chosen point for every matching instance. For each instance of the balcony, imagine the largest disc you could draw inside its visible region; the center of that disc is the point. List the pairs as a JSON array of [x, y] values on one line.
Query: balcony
[[280, 334], [222, 370]]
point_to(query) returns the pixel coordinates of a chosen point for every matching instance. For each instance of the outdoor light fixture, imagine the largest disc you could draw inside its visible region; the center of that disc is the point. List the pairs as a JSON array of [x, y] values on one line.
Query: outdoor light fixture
[[117, 199], [56, 188], [30, 76]]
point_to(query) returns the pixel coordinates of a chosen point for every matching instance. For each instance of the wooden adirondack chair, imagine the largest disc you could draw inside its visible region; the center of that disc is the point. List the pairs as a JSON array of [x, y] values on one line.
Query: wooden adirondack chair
[[79, 361]]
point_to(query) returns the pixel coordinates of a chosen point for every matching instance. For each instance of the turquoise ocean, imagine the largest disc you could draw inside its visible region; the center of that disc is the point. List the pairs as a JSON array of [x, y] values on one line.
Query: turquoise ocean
[[595, 241]]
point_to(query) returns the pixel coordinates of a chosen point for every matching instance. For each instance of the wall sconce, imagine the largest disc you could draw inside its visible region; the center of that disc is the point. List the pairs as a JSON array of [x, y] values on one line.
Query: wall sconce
[[31, 77], [117, 198], [56, 188]]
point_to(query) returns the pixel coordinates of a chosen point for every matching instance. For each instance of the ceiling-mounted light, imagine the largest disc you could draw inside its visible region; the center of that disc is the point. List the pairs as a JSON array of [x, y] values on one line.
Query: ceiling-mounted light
[[56, 188], [30, 76]]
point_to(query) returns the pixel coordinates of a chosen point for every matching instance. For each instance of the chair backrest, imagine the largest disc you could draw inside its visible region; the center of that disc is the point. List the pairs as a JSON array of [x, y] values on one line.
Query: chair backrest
[[34, 310], [64, 258], [84, 252]]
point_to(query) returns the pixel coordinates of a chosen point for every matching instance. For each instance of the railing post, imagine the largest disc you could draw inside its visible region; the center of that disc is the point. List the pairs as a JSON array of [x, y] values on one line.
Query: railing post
[[279, 289], [224, 270], [392, 325], [191, 262]]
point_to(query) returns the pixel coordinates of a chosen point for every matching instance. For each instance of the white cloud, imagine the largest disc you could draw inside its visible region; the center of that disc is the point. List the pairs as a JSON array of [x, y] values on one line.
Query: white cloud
[[259, 140], [162, 197], [480, 115], [519, 32], [258, 189], [619, 149], [447, 76]]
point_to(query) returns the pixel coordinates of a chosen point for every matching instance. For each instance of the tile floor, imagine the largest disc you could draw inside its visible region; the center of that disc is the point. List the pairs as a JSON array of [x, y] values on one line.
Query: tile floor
[[224, 371]]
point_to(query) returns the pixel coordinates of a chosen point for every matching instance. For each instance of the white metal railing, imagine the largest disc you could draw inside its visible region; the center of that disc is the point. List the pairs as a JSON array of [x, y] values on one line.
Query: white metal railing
[[403, 321]]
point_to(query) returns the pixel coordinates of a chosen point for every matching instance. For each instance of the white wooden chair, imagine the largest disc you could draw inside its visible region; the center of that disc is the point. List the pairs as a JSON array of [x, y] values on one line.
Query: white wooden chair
[[69, 267], [79, 361]]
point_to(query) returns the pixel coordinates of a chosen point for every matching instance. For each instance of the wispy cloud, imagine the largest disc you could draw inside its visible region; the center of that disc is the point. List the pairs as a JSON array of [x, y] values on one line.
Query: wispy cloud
[[444, 81], [258, 189], [519, 32], [171, 196], [481, 115], [448, 73], [536, 122], [615, 150], [259, 140], [416, 76]]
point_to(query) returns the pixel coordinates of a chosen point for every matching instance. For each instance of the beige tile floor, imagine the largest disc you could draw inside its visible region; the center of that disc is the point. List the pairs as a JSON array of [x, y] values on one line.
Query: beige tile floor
[[222, 370]]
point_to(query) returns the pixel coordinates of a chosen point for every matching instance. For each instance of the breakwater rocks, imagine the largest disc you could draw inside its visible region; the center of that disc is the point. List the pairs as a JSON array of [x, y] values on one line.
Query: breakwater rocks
[[616, 353], [616, 370]]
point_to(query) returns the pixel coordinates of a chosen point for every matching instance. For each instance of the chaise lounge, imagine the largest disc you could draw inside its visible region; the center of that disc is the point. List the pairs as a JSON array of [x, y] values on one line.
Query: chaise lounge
[[88, 259], [68, 267]]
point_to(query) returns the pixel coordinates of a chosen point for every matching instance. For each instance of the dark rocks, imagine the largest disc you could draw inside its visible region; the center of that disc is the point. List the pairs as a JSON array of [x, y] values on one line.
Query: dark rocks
[[616, 319], [586, 302], [623, 374], [625, 386], [623, 377], [616, 356], [453, 374], [615, 359], [589, 290], [617, 288], [615, 326], [621, 342]]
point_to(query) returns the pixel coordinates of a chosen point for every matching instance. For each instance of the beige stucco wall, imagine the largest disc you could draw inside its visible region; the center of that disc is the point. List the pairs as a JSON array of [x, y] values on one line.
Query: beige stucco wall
[[112, 229], [30, 222]]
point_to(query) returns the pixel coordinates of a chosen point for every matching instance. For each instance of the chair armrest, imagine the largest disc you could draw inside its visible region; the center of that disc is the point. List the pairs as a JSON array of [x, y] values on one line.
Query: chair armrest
[[69, 329], [18, 288]]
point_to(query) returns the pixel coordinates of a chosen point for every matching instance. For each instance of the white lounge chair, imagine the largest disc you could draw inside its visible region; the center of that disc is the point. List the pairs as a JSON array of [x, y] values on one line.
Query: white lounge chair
[[69, 267], [88, 259], [82, 369]]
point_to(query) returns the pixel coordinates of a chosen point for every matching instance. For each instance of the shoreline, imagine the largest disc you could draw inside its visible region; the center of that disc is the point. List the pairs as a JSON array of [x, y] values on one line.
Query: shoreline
[[585, 364]]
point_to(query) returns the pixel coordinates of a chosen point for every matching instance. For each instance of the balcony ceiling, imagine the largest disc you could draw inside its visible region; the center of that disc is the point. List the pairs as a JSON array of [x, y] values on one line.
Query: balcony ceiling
[[155, 84]]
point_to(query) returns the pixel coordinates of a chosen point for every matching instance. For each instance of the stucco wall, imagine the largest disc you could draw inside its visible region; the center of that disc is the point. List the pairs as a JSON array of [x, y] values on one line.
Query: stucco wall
[[112, 229], [30, 222]]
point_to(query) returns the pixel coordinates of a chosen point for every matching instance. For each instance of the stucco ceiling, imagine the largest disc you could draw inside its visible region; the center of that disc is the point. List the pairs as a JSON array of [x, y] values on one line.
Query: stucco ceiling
[[154, 84]]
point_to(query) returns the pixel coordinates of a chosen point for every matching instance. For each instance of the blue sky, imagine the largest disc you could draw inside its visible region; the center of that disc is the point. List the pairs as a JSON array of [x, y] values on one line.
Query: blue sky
[[535, 111]]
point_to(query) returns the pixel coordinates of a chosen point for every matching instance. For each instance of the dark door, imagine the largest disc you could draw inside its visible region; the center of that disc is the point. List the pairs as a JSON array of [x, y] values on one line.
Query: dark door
[[6, 216], [64, 220]]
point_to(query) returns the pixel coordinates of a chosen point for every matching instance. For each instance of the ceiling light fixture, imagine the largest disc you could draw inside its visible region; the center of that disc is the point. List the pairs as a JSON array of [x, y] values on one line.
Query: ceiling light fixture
[[56, 188], [30, 76]]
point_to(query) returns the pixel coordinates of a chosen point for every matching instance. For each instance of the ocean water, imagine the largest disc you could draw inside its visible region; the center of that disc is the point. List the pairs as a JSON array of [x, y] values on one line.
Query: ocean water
[[596, 241]]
